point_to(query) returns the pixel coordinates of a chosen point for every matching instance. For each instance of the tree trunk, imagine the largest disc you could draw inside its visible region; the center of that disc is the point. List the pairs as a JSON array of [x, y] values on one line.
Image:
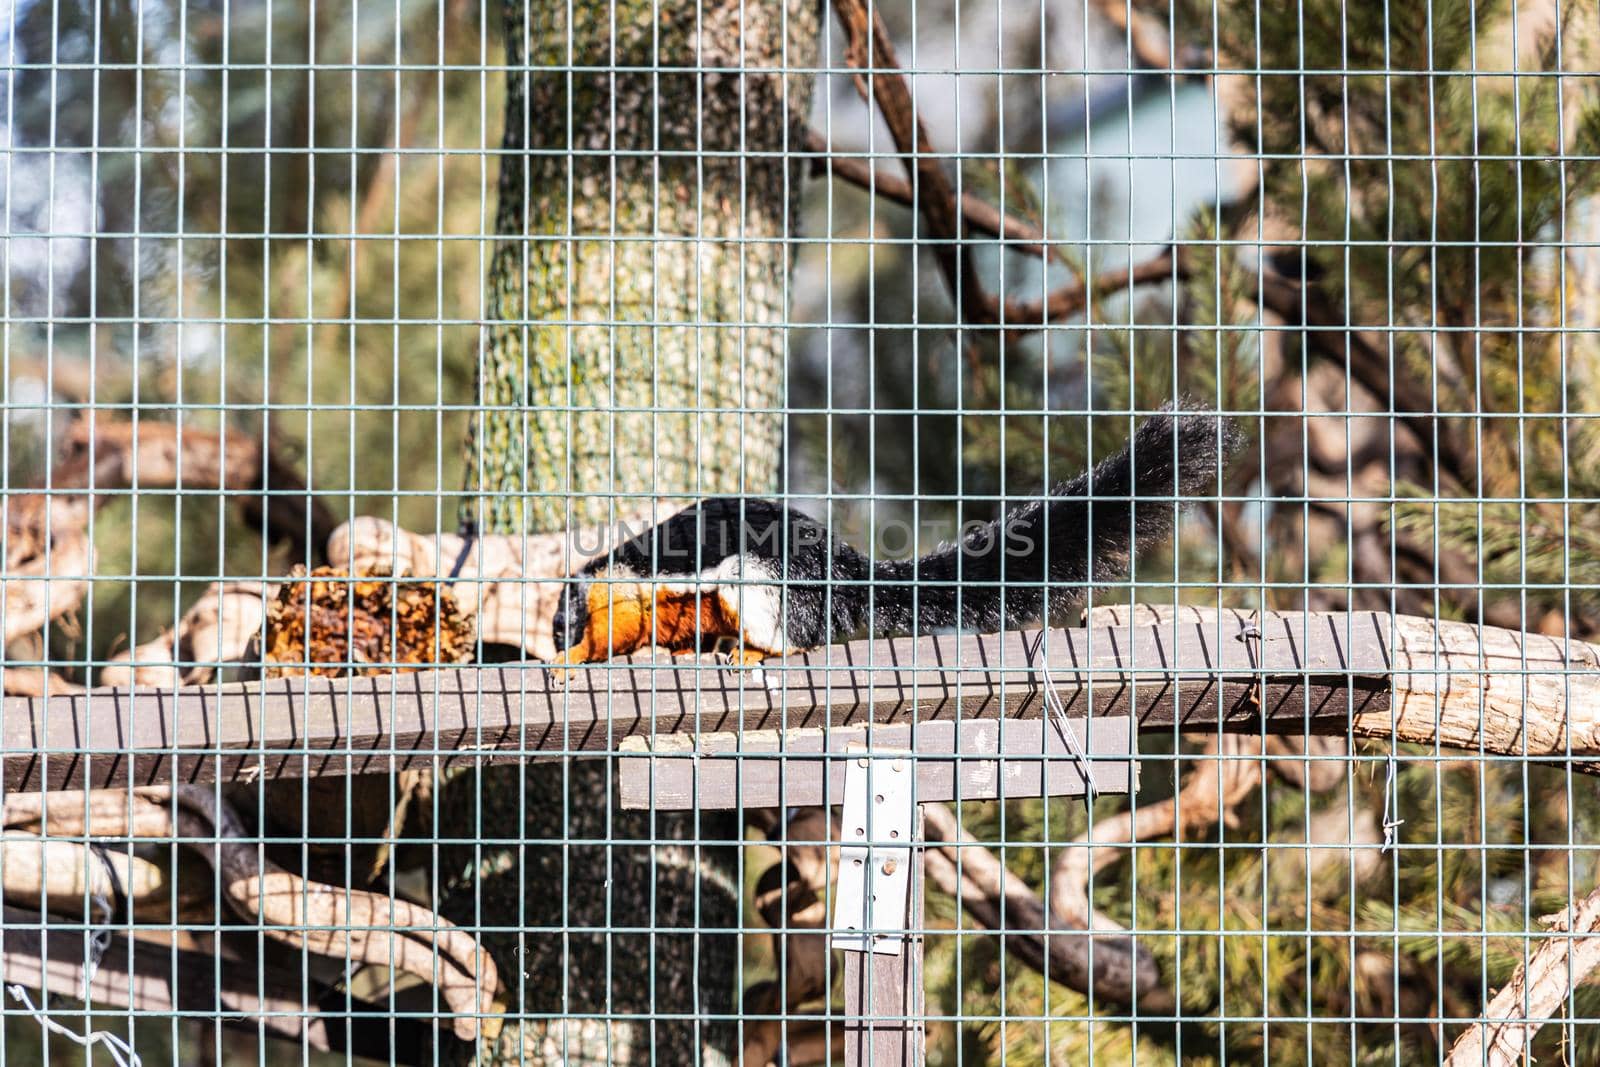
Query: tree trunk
[[639, 295], [635, 358]]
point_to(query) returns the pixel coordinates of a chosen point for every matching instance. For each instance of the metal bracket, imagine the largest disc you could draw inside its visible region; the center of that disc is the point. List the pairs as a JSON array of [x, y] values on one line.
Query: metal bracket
[[869, 904]]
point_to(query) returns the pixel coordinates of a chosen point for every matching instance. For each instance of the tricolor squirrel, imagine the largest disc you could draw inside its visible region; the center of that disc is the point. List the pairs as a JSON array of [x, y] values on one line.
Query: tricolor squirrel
[[769, 580]]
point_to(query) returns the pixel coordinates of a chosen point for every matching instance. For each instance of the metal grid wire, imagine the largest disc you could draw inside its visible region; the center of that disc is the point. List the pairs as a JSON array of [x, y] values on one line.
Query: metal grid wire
[[358, 707]]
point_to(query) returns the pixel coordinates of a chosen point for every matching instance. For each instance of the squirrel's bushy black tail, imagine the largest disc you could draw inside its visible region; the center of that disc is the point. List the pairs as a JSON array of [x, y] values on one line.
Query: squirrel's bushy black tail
[[1086, 533]]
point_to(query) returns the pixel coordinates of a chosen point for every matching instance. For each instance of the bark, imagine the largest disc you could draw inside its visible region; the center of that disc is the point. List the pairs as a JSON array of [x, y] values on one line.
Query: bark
[[1538, 990], [634, 360], [638, 292]]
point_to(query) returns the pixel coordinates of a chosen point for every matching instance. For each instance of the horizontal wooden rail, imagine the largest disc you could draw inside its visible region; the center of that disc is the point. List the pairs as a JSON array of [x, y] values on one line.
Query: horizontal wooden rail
[[955, 761], [1370, 674]]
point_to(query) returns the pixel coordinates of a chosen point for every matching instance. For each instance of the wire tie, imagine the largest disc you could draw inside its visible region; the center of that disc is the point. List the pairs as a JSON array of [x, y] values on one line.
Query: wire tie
[[1058, 713], [1390, 822], [1251, 631], [117, 907], [119, 1049], [121, 1053]]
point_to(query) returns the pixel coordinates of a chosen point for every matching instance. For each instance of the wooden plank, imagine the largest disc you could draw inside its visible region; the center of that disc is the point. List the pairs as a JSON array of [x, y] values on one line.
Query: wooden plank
[[883, 996], [149, 978], [1303, 672], [955, 761], [1453, 684]]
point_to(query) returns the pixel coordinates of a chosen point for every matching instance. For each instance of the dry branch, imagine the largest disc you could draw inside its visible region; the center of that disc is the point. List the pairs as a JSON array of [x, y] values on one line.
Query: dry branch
[[35, 682], [217, 631], [869, 49], [327, 920], [792, 898], [1213, 790], [1020, 235], [1313, 764], [980, 215], [103, 454], [1149, 42], [155, 979], [49, 558], [101, 812], [62, 875], [377, 195], [1536, 991], [1330, 334], [1073, 298], [813, 1041], [1116, 972]]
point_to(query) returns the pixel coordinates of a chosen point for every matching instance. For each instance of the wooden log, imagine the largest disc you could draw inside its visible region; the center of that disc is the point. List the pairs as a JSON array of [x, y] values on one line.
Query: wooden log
[[216, 631], [150, 978], [1456, 684], [61, 876], [1453, 684]]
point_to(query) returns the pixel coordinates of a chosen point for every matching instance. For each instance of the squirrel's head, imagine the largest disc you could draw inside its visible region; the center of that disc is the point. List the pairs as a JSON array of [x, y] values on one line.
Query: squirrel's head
[[572, 613]]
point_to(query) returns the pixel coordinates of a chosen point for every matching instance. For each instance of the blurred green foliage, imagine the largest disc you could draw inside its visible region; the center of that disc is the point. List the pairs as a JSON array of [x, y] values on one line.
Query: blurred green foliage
[[267, 261]]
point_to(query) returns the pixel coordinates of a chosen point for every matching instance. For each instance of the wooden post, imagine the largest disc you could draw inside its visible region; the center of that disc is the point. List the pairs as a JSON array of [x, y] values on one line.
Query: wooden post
[[883, 996]]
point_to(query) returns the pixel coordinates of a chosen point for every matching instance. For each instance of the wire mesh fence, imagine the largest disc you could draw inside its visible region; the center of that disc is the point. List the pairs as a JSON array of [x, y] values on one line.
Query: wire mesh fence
[[756, 531]]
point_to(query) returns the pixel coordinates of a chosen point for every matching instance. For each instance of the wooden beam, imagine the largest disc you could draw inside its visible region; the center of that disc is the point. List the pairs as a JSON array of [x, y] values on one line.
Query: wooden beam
[[1308, 674], [149, 978], [955, 761], [1452, 685], [883, 995], [1456, 684]]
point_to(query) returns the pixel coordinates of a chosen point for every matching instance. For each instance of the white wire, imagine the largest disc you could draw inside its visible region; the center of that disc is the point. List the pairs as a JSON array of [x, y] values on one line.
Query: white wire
[[120, 1051], [115, 1044], [1058, 711], [1390, 823]]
